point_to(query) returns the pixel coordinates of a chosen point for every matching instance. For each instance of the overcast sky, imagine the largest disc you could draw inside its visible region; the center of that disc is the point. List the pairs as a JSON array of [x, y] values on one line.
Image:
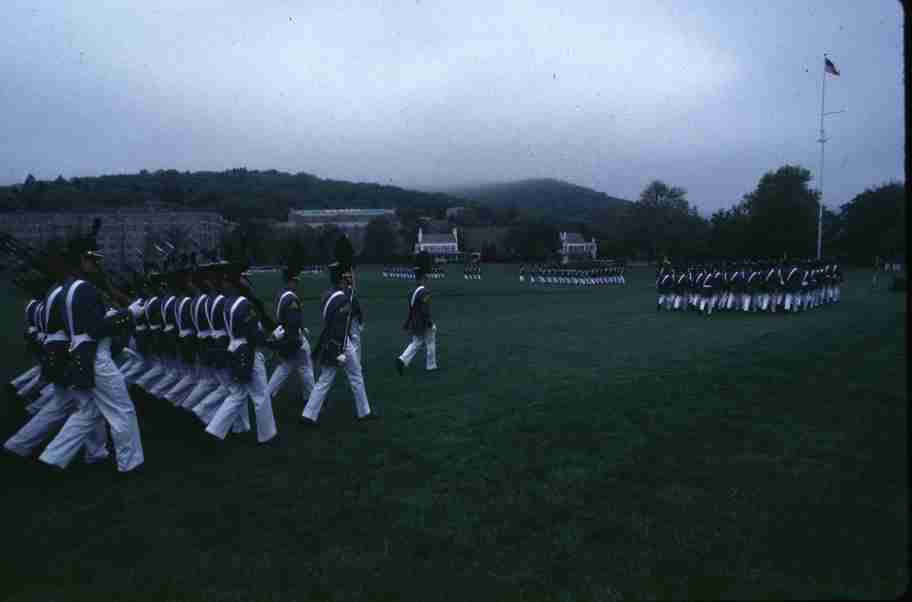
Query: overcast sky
[[430, 94]]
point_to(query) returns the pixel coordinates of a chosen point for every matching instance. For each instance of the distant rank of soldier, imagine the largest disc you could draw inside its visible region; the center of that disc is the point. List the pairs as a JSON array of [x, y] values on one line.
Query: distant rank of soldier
[[578, 275], [751, 286]]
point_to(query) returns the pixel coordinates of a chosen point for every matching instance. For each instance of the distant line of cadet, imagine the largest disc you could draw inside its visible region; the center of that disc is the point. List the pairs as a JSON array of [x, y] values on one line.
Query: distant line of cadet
[[559, 275], [765, 286]]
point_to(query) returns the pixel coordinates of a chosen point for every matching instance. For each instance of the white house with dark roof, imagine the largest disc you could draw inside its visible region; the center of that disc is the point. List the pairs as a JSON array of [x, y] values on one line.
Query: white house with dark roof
[[574, 246], [437, 244]]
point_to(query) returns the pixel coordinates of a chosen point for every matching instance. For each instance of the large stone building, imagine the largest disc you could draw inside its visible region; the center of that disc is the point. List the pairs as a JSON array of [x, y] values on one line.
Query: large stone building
[[351, 221], [126, 233], [575, 247]]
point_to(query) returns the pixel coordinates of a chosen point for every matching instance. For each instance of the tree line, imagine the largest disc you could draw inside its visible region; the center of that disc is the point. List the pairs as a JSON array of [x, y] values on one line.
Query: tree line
[[778, 217]]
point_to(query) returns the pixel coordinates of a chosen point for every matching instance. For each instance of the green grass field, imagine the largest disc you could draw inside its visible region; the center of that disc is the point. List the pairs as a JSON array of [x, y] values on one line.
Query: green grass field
[[577, 445]]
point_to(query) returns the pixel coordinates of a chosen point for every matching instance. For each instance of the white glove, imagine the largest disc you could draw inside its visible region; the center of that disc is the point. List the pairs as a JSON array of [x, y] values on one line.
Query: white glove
[[136, 308], [278, 333], [341, 358], [306, 331]]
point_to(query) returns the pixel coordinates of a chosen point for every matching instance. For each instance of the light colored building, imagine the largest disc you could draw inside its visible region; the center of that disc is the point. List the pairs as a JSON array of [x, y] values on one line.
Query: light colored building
[[438, 244], [574, 246], [351, 221], [125, 233]]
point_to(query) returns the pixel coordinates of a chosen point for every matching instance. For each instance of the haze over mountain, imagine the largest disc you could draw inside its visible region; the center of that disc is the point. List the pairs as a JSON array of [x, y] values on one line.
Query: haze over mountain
[[537, 193]]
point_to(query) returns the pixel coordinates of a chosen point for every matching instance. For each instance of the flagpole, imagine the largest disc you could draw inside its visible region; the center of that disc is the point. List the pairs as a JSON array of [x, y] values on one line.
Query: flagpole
[[822, 141]]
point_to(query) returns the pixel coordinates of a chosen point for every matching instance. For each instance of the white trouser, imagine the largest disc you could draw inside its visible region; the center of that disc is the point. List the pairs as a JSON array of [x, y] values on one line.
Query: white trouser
[[236, 403], [204, 386], [428, 340], [355, 336], [207, 407], [745, 302], [154, 372], [46, 394], [31, 385], [300, 363], [328, 374], [50, 418], [173, 373], [109, 398], [191, 375], [26, 376]]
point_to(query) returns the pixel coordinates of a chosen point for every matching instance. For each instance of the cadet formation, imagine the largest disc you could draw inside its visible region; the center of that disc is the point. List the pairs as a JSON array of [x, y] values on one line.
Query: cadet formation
[[578, 275], [403, 272], [192, 336], [752, 286]]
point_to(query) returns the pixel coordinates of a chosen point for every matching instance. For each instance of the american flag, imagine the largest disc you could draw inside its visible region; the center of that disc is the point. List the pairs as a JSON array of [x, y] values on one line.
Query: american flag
[[829, 67]]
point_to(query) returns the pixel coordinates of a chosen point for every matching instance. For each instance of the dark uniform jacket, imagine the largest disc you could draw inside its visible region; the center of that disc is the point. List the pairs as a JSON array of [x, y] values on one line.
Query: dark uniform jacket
[[335, 310], [85, 318], [243, 327], [419, 316], [288, 315], [56, 344]]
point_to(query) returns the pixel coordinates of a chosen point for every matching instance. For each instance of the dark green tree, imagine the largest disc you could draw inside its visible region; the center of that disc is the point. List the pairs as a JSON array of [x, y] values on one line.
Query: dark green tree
[[783, 214]]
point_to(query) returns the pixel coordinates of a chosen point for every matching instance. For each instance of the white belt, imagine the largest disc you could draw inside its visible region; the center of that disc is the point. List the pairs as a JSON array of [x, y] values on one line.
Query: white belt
[[141, 327], [235, 343], [202, 334], [217, 334], [186, 332], [56, 336], [154, 327], [32, 329], [168, 328], [78, 340]]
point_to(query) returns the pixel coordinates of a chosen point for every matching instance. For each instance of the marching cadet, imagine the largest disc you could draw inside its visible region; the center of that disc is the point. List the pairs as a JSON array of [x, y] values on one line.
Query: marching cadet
[[680, 289], [289, 338], [168, 338], [98, 384], [31, 339], [186, 337], [152, 316], [334, 348], [664, 283], [208, 380], [61, 401], [207, 406], [246, 364], [421, 327]]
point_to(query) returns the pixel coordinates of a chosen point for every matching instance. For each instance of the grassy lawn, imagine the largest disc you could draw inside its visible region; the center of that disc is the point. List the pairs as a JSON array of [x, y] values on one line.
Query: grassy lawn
[[575, 445]]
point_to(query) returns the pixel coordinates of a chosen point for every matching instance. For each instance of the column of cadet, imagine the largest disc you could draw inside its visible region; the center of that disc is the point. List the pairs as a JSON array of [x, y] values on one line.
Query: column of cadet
[[752, 286], [191, 336], [555, 274]]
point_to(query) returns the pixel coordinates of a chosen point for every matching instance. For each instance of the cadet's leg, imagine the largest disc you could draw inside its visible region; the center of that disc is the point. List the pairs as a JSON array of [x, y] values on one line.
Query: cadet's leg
[[26, 376], [115, 405], [413, 347], [305, 368], [430, 342], [262, 402], [356, 380], [227, 413], [318, 394], [279, 375], [81, 423], [50, 417]]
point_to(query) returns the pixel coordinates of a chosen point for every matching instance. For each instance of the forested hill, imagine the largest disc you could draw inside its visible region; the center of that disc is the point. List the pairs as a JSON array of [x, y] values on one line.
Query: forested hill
[[540, 194], [238, 193]]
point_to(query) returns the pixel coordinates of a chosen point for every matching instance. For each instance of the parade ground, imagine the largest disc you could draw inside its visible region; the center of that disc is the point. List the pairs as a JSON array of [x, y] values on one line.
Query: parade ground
[[575, 445]]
